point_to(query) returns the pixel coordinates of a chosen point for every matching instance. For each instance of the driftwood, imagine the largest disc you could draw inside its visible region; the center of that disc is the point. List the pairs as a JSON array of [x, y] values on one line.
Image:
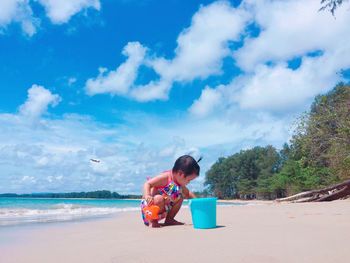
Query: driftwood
[[329, 193]]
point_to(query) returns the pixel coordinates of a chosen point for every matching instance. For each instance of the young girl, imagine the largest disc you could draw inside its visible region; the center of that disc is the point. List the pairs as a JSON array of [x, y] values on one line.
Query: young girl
[[166, 191]]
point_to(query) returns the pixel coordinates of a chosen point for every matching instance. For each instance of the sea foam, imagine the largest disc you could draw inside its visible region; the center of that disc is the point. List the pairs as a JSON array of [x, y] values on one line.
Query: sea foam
[[58, 212]]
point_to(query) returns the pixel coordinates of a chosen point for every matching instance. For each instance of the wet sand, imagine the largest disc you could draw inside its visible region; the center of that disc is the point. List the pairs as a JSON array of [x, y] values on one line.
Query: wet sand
[[260, 232]]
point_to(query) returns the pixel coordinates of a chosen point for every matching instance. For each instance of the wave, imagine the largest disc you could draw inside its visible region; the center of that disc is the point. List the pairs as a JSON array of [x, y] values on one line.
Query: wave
[[59, 212]]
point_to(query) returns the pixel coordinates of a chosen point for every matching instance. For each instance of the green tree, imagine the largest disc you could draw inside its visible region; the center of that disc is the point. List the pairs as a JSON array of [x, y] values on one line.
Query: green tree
[[331, 5], [318, 155], [323, 136], [245, 174]]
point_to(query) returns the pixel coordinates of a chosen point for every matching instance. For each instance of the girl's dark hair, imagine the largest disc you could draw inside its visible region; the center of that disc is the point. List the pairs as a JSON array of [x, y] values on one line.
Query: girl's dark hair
[[187, 164]]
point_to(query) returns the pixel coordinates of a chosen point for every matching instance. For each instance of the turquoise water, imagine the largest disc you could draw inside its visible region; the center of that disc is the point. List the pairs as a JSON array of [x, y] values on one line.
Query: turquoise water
[[48, 203], [16, 211]]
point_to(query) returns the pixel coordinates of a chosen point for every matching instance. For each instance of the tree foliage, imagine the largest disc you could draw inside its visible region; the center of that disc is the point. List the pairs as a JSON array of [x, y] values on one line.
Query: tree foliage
[[331, 5], [243, 175], [318, 155], [323, 138]]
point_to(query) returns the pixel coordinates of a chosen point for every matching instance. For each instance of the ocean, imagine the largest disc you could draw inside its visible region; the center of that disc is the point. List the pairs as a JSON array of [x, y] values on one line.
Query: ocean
[[17, 211]]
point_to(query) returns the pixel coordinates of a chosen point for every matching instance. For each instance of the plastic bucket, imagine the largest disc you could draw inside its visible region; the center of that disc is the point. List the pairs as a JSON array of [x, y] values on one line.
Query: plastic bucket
[[203, 212]]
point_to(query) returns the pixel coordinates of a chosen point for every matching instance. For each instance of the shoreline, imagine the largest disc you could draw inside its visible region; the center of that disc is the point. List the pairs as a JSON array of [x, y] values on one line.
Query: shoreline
[[77, 198], [266, 233], [66, 213]]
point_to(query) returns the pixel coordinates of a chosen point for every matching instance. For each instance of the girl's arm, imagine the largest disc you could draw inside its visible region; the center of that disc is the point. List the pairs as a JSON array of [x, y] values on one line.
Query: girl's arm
[[159, 180], [187, 193]]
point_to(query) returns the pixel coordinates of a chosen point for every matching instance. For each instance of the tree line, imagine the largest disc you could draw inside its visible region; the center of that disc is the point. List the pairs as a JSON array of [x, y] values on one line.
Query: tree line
[[318, 155], [102, 194]]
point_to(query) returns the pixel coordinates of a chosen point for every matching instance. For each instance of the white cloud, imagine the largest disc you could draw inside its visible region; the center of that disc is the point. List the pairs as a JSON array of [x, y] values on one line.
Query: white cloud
[[123, 167], [281, 88], [283, 37], [268, 83], [120, 80], [199, 54], [208, 102], [276, 86], [239, 115], [71, 81], [28, 179], [55, 155], [215, 131], [18, 11], [8, 10], [152, 91], [37, 102], [201, 47], [60, 11]]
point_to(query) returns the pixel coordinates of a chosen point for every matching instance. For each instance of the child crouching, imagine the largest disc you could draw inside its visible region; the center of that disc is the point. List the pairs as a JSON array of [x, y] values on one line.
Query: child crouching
[[163, 194]]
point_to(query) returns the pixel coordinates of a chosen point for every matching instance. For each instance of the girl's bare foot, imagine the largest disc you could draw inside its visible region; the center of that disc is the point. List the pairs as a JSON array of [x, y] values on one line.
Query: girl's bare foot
[[172, 222], [155, 224]]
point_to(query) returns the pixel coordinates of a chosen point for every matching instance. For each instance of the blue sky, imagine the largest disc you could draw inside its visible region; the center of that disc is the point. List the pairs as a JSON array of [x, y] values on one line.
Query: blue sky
[[136, 84]]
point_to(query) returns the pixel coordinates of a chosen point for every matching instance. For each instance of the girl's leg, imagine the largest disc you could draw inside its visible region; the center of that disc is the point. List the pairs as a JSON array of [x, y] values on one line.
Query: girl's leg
[[172, 213], [159, 201]]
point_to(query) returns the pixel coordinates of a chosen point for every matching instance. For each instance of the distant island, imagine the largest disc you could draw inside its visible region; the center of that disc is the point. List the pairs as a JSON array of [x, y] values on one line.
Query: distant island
[[103, 194]]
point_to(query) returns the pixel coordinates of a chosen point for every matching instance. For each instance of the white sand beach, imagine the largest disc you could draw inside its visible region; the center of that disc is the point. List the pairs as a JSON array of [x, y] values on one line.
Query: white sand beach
[[261, 232]]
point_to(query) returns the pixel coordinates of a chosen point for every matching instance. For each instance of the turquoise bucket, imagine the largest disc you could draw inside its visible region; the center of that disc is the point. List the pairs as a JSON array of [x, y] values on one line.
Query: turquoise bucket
[[203, 212]]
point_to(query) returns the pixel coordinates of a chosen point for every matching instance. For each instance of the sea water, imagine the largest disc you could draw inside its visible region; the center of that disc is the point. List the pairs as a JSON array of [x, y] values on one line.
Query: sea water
[[17, 211], [14, 211]]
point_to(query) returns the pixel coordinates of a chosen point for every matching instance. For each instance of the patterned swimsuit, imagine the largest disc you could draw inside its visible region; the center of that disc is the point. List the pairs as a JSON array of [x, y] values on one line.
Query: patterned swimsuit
[[172, 191]]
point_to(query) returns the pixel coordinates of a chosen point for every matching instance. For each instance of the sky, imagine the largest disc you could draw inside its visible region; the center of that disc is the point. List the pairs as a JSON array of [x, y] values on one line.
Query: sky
[[136, 84]]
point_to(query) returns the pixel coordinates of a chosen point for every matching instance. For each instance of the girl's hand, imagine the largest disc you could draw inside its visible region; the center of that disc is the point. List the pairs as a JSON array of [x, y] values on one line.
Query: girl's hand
[[149, 199]]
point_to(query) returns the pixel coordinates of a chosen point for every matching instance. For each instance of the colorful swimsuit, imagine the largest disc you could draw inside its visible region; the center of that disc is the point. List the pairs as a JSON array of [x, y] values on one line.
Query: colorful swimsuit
[[172, 191]]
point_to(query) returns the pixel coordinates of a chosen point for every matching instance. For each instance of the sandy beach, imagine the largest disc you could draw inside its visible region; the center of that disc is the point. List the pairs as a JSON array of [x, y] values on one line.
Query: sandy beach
[[260, 232]]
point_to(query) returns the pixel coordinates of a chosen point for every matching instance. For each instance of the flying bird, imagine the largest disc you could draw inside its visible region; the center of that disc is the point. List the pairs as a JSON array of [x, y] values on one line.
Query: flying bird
[[95, 160]]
